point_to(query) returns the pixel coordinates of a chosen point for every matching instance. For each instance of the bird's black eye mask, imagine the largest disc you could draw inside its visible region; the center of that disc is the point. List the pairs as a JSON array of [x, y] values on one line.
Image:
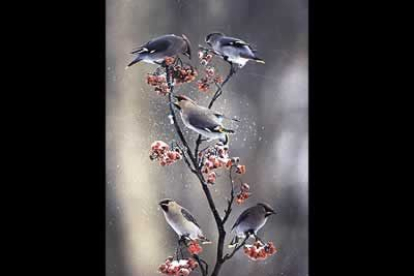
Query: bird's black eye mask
[[269, 211], [210, 35], [179, 98], [164, 204]]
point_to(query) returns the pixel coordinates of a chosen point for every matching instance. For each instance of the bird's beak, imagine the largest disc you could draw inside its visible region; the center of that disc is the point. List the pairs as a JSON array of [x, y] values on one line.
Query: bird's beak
[[269, 213]]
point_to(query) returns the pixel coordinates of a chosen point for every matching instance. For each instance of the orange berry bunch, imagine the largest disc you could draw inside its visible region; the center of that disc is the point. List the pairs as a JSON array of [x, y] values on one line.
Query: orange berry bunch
[[194, 248], [241, 169], [243, 194], [161, 151], [209, 78], [259, 251], [182, 267], [184, 74], [169, 61], [203, 84], [159, 82], [214, 158], [205, 56]]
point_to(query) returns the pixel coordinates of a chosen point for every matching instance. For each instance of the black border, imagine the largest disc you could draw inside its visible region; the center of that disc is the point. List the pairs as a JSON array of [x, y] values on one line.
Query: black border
[[57, 113]]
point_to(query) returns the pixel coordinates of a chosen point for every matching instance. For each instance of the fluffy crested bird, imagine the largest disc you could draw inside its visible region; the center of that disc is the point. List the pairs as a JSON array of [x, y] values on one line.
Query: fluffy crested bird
[[250, 222], [232, 49], [202, 120], [181, 220], [157, 49]]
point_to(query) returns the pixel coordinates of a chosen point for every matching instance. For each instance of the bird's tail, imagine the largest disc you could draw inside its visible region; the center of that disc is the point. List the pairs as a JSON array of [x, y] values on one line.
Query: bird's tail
[[136, 60], [234, 242], [231, 119], [259, 60]]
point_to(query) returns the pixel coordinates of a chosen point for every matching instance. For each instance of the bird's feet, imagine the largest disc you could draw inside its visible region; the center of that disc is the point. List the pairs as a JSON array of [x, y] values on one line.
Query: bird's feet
[[258, 239]]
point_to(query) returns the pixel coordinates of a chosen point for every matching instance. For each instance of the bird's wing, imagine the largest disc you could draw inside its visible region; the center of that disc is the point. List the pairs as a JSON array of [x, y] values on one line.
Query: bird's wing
[[242, 217], [158, 45], [219, 116], [204, 119], [189, 217], [140, 49], [231, 41]]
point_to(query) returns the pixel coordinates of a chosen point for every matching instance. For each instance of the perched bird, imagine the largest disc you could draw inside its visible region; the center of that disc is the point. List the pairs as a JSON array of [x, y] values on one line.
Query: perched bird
[[202, 120], [232, 49], [183, 223], [156, 50], [250, 222]]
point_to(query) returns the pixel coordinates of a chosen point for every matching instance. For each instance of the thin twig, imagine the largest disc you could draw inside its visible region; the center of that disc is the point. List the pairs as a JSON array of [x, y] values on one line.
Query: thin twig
[[219, 91], [204, 270], [230, 201], [229, 256]]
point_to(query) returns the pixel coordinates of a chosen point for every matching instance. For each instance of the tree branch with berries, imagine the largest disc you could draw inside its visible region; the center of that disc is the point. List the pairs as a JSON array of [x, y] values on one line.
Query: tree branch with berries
[[202, 163]]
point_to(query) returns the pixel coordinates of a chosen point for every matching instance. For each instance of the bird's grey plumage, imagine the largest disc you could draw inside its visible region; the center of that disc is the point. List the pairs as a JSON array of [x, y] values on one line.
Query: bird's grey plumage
[[246, 213], [202, 120], [187, 215], [232, 49], [251, 221], [181, 220], [157, 49]]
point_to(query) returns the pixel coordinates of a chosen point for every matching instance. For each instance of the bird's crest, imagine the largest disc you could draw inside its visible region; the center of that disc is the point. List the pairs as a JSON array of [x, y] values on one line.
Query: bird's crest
[[183, 97], [267, 207], [211, 34]]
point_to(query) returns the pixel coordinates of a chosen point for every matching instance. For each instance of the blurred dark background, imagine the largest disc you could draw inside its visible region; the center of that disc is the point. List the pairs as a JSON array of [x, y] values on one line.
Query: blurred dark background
[[272, 140]]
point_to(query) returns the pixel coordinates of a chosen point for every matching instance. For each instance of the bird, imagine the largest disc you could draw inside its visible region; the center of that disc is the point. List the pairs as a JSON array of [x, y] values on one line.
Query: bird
[[181, 220], [157, 49], [232, 49], [203, 120], [250, 222]]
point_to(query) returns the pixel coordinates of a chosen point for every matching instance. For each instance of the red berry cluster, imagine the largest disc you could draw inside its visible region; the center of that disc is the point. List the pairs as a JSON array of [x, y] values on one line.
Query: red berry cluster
[[182, 267], [169, 60], [210, 78], [159, 82], [218, 157], [243, 194], [180, 73], [184, 74], [259, 251], [161, 151], [194, 247], [205, 56]]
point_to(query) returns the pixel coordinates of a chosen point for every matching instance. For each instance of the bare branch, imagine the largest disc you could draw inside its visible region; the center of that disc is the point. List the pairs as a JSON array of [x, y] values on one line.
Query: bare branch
[[195, 168]]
